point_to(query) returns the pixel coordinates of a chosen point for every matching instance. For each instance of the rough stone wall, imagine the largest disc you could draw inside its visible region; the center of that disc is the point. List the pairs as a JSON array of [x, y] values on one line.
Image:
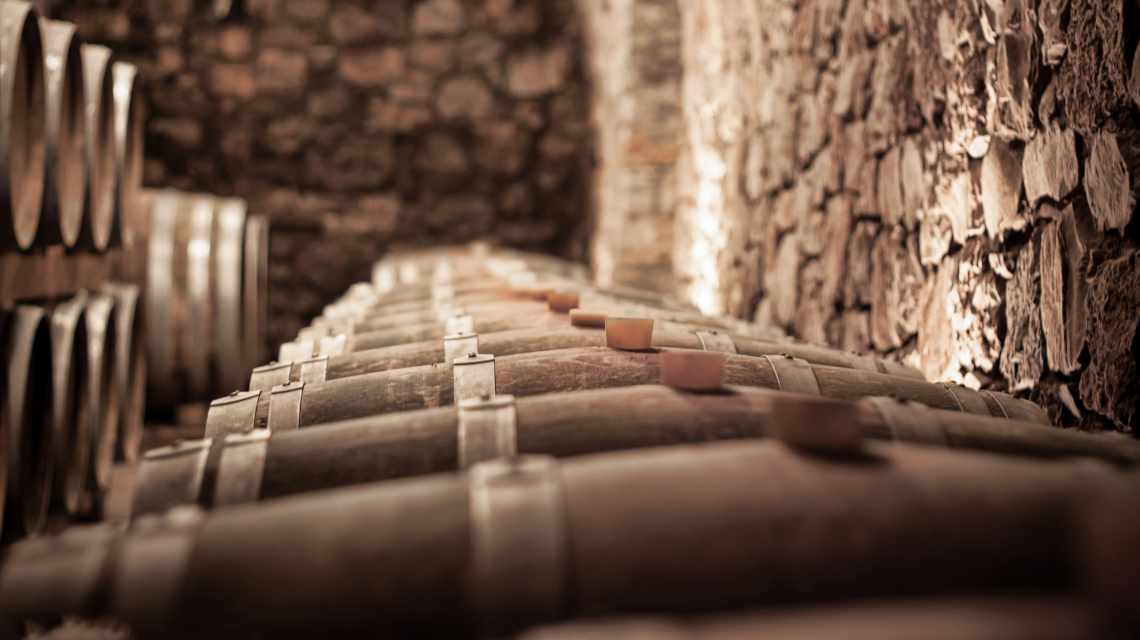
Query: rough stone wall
[[949, 182], [636, 69], [360, 123]]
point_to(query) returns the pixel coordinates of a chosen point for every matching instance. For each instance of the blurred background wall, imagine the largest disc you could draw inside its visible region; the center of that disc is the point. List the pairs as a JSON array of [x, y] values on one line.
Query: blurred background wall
[[357, 124]]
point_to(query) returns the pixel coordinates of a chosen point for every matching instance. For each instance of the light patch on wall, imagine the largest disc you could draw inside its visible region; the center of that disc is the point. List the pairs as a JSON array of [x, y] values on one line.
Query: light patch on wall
[[706, 219]]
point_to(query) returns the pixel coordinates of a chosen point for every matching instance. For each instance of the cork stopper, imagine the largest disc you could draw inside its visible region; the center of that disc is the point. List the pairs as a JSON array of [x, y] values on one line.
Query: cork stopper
[[562, 301], [587, 318], [692, 370], [817, 424], [629, 334]]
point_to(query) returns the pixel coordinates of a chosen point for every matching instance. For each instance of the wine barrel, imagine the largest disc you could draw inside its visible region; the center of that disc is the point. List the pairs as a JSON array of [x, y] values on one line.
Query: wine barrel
[[104, 397], [72, 414], [23, 131], [561, 370], [229, 276], [505, 343], [507, 305], [258, 465], [255, 292], [529, 541], [26, 421], [130, 369], [205, 296], [99, 221], [130, 119], [978, 617], [65, 179]]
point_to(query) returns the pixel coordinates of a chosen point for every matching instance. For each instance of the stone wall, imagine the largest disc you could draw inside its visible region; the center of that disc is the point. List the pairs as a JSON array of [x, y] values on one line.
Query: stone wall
[[636, 68], [360, 123], [952, 183]]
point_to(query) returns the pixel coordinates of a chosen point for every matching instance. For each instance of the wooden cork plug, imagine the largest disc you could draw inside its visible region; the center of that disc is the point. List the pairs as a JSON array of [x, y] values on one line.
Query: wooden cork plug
[[692, 370], [562, 301], [587, 318], [817, 424], [629, 334]]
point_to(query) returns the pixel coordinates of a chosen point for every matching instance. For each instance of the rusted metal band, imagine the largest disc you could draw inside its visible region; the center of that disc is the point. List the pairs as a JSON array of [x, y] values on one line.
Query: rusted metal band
[[312, 370], [794, 374], [171, 475], [241, 468], [910, 422], [487, 430], [296, 350], [150, 568], [285, 407], [519, 542], [473, 376], [333, 345], [265, 377], [234, 413], [716, 341], [459, 345]]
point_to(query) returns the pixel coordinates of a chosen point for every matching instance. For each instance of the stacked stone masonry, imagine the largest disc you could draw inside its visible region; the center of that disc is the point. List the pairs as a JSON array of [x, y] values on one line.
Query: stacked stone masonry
[[358, 124], [949, 182]]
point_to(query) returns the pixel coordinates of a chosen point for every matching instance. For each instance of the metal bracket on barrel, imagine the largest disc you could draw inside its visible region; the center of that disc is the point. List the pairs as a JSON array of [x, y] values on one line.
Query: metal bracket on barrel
[[234, 413], [268, 376], [518, 542], [473, 376], [241, 468], [794, 374], [170, 476], [459, 323], [312, 334], [333, 345], [313, 369], [458, 345], [487, 429], [297, 350], [285, 407], [716, 341], [909, 422]]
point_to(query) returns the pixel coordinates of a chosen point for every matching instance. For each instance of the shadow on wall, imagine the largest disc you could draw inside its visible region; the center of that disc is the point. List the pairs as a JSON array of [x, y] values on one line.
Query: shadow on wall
[[355, 124]]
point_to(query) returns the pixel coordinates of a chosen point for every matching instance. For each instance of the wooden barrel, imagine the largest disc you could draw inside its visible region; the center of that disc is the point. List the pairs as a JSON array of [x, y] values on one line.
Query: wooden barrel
[[978, 617], [130, 369], [562, 370], [23, 134], [528, 541], [229, 277], [509, 305], [505, 343], [130, 120], [65, 179], [72, 415], [26, 421], [99, 221], [104, 397], [205, 296], [255, 292], [398, 445]]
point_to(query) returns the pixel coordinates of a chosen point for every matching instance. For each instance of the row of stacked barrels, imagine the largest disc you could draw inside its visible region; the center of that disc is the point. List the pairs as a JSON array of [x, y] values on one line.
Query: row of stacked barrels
[[72, 367], [72, 406], [480, 442], [71, 137]]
